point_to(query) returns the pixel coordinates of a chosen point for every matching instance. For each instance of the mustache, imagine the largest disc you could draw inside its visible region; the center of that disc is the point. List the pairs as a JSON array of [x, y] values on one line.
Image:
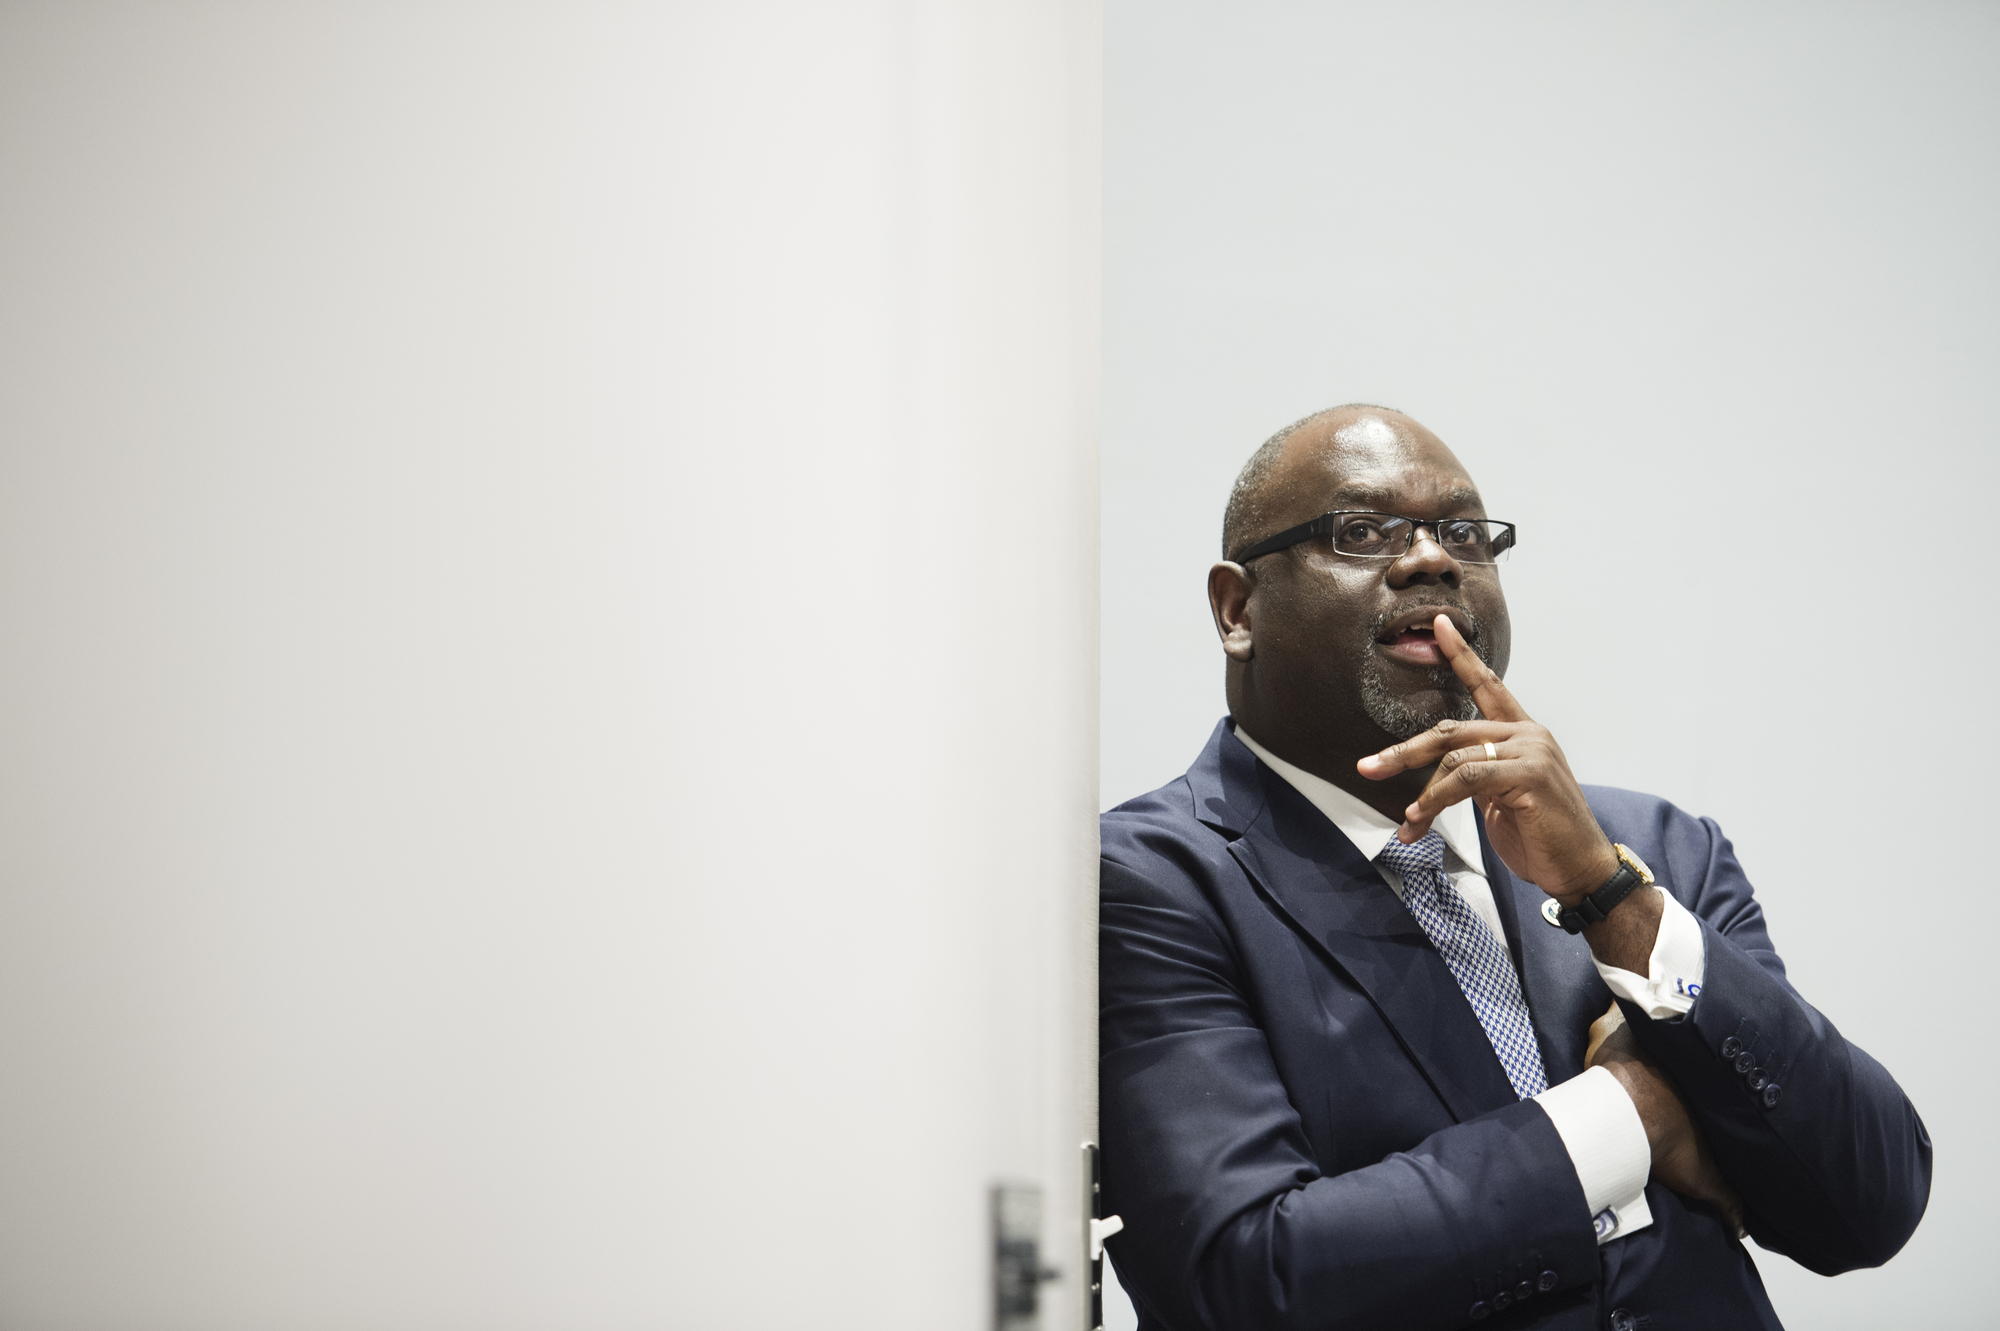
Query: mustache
[[1475, 634]]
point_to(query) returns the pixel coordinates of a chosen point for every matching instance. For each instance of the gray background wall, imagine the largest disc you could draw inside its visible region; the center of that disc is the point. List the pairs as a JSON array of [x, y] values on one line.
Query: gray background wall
[[1703, 295]]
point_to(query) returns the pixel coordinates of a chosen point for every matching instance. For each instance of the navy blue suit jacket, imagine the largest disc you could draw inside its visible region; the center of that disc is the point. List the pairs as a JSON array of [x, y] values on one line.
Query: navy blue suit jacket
[[1304, 1125]]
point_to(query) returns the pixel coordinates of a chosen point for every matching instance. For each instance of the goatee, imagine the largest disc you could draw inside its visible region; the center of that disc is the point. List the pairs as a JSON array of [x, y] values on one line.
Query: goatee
[[1405, 715]]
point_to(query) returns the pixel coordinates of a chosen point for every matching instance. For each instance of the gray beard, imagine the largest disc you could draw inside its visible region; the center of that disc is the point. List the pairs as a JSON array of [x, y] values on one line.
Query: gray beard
[[1403, 719], [1399, 716]]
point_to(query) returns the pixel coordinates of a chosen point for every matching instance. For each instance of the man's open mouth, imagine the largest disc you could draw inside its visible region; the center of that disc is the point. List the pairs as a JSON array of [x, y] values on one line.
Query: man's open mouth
[[1410, 636]]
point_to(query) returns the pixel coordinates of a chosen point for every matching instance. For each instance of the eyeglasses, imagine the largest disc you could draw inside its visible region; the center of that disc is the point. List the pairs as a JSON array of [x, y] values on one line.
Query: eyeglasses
[[1387, 536]]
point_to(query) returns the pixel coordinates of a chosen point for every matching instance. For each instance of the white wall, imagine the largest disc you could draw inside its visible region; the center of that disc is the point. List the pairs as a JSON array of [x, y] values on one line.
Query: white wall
[[547, 707], [1704, 296]]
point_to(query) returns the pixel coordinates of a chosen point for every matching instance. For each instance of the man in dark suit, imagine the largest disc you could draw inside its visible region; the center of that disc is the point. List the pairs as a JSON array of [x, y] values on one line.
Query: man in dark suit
[[1361, 1060]]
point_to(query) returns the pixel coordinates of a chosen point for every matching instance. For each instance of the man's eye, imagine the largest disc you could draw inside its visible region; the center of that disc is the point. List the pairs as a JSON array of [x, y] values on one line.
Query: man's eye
[[1458, 533], [1360, 533]]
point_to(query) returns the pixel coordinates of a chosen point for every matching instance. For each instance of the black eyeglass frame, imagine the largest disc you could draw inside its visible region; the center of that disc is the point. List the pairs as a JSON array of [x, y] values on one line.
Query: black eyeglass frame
[[1326, 523]]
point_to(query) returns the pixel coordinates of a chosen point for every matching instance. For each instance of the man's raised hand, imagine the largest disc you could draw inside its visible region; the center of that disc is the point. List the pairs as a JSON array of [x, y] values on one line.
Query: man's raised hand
[[1535, 812]]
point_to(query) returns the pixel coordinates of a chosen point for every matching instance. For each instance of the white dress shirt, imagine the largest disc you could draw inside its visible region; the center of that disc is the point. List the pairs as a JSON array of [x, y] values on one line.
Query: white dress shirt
[[1598, 1124]]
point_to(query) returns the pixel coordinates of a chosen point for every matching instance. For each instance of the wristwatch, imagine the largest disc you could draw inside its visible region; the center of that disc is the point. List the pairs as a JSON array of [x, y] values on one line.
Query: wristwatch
[[1632, 873]]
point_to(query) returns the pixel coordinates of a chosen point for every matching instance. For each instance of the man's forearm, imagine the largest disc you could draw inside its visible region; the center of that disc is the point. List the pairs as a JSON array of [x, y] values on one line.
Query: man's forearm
[[1494, 1201], [1625, 937], [1829, 1156]]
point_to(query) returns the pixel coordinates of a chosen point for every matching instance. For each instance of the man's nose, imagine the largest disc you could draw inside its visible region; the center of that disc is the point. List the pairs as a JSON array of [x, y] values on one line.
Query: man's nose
[[1425, 562]]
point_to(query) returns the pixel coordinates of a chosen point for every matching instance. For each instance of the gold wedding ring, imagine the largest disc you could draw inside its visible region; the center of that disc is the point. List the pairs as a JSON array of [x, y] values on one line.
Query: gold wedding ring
[[1491, 752]]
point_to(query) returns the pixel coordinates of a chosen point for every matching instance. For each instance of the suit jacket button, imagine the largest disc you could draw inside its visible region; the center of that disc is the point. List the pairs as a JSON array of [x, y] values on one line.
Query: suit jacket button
[[1744, 1062], [1547, 1282], [1502, 1300], [1525, 1289], [1480, 1310], [1730, 1047], [1771, 1096], [1623, 1320], [1756, 1079]]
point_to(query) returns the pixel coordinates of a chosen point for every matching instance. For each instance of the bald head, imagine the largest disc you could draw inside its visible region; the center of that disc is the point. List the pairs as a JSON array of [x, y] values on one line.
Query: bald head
[[1330, 654], [1268, 488]]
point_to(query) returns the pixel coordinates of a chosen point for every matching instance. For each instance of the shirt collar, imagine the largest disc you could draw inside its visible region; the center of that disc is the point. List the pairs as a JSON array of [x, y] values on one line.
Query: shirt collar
[[1368, 829]]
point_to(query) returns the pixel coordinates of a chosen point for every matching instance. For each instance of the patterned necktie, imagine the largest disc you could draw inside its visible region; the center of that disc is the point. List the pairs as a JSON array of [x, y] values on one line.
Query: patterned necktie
[[1476, 958]]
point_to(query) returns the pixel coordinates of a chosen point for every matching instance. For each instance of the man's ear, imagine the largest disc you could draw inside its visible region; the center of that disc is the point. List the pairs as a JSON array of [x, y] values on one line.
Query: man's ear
[[1229, 600]]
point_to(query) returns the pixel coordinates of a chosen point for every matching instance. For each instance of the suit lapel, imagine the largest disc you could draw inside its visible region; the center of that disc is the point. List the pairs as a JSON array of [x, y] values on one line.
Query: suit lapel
[[1563, 989], [1314, 876]]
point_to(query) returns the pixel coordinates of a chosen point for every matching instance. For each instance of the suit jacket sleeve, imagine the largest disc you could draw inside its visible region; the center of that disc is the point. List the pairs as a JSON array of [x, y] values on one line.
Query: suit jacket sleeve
[[1831, 1160], [1230, 1223]]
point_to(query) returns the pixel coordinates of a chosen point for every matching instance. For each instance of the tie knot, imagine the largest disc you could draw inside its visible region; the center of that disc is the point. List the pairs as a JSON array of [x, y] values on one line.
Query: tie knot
[[1427, 853]]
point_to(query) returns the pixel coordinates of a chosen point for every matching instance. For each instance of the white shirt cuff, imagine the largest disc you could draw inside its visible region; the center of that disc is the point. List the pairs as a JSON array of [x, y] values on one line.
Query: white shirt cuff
[[1600, 1128], [1673, 978]]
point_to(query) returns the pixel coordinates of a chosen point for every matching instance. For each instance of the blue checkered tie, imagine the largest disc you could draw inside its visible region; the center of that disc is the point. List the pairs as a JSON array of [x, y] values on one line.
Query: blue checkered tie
[[1477, 960]]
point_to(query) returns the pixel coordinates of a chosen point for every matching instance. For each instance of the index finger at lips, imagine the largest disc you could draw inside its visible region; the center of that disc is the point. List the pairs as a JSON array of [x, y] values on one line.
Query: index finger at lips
[[1495, 702]]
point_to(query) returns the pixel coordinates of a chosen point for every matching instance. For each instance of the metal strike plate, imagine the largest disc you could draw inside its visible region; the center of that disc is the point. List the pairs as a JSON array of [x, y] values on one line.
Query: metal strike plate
[[1097, 1227], [1093, 1247]]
